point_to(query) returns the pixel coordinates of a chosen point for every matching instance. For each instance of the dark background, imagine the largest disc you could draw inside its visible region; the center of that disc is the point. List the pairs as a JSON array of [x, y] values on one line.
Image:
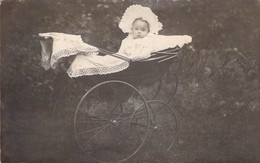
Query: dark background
[[217, 102]]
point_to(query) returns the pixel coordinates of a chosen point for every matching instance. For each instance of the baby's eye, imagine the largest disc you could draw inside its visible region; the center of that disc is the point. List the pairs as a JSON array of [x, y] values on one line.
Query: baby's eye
[[143, 29]]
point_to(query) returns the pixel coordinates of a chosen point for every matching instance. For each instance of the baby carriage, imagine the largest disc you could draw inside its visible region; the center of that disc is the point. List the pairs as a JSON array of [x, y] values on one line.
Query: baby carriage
[[115, 117]]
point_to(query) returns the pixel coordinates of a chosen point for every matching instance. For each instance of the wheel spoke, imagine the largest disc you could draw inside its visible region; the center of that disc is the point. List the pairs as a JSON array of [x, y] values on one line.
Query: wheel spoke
[[92, 138], [100, 127], [138, 124], [97, 118], [91, 120]]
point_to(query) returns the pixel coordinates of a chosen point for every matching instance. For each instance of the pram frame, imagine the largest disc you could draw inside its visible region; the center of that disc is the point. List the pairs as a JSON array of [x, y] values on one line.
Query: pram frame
[[162, 59]]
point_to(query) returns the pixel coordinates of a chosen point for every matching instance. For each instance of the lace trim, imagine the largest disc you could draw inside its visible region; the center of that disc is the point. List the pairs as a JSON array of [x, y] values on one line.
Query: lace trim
[[97, 70], [69, 52]]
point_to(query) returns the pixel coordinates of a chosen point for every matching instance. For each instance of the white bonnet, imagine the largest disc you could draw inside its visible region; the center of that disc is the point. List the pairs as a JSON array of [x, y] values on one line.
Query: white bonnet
[[137, 11]]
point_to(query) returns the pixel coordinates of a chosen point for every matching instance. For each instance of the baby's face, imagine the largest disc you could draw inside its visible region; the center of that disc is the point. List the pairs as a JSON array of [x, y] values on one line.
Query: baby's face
[[140, 29]]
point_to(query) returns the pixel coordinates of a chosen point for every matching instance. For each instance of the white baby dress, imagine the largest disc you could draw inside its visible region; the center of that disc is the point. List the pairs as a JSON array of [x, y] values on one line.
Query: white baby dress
[[88, 62]]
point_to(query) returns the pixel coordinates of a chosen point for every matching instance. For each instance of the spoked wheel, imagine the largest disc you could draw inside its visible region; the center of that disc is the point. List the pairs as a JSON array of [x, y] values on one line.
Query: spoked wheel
[[108, 127], [163, 127]]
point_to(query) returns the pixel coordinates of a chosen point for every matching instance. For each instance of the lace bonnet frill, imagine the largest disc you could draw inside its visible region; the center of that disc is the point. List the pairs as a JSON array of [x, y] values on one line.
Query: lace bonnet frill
[[137, 11]]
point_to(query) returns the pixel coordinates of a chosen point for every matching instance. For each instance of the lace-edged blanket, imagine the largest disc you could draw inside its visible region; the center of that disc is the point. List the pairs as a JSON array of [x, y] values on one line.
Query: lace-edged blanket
[[88, 62]]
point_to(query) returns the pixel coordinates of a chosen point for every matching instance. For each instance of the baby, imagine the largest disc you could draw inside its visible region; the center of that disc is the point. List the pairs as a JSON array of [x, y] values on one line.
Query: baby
[[135, 46], [142, 26]]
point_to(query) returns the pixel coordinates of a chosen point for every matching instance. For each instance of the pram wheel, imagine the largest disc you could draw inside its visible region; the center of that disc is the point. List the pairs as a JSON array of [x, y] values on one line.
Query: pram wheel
[[163, 124], [108, 126], [163, 127]]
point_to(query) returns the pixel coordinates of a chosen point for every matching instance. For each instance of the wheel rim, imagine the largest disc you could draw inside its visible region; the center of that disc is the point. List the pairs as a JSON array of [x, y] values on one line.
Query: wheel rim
[[111, 134]]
